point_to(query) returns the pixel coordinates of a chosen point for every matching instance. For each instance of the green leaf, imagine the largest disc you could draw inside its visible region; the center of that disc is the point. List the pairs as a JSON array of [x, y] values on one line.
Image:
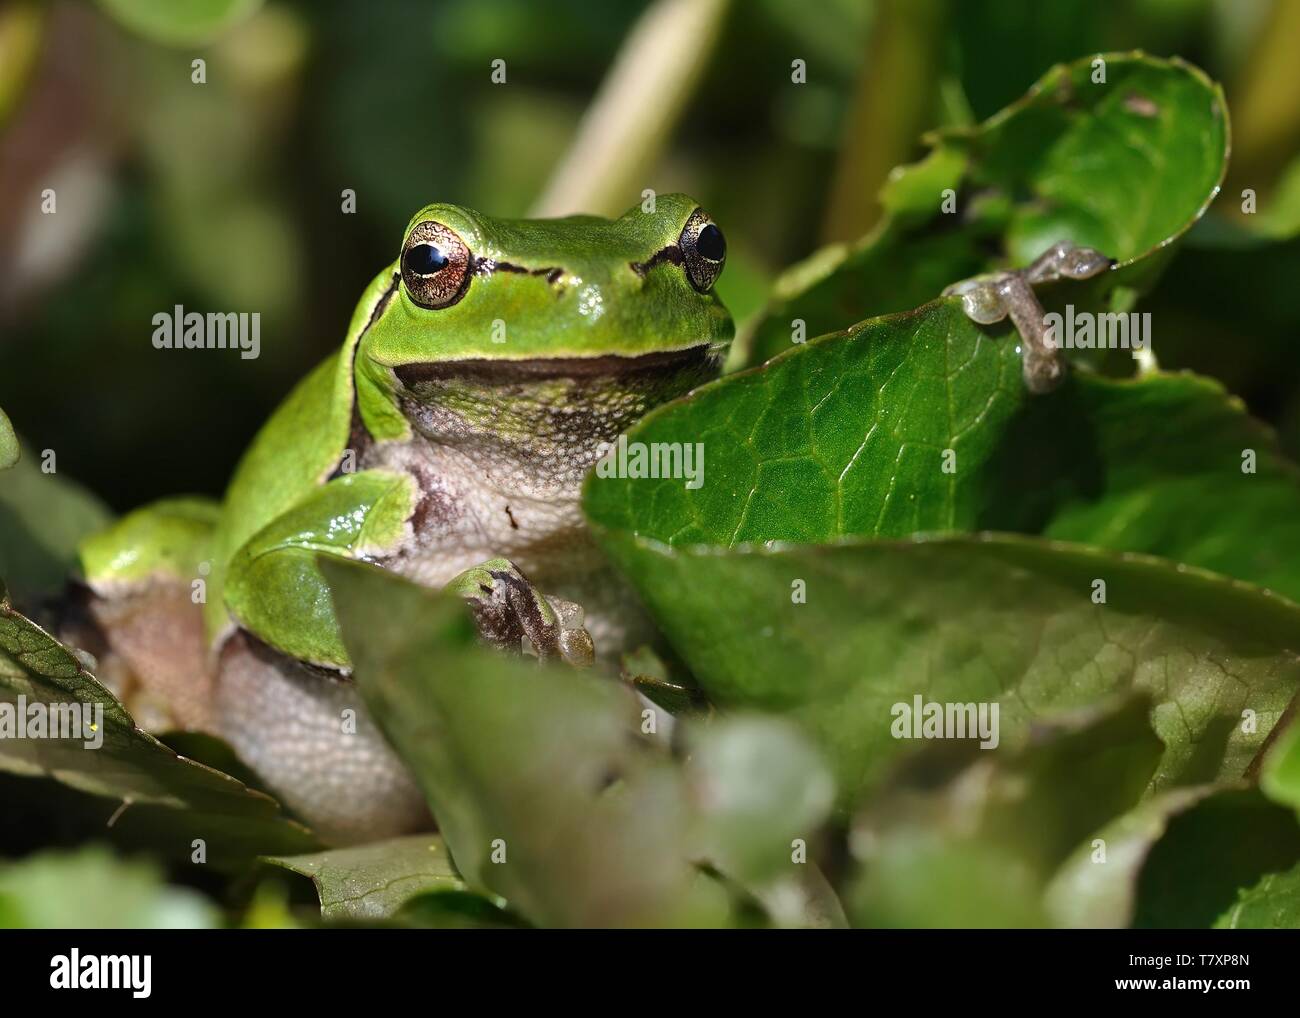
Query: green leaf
[[458, 910], [1024, 841], [972, 838], [847, 436], [995, 618], [180, 22], [568, 811], [1275, 220], [1229, 313], [1271, 904], [1282, 219], [211, 751], [1094, 890], [373, 881], [843, 436], [1211, 852], [762, 786], [8, 443], [1125, 166], [535, 794], [125, 784], [42, 519], [1197, 856], [1280, 774], [93, 889]]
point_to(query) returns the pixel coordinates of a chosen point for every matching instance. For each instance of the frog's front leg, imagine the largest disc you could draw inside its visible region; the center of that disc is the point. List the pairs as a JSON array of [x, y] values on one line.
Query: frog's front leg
[[991, 298], [275, 589], [508, 610], [285, 699]]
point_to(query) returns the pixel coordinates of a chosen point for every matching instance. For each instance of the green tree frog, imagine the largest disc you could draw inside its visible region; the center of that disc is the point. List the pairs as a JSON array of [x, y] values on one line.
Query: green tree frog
[[446, 440]]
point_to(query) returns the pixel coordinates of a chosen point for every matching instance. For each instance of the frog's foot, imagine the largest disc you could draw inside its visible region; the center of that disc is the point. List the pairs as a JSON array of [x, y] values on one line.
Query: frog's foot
[[1066, 261], [510, 611], [991, 298]]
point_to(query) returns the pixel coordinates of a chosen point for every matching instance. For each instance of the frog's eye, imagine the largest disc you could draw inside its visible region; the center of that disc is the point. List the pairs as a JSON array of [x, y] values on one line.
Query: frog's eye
[[435, 265], [704, 249]]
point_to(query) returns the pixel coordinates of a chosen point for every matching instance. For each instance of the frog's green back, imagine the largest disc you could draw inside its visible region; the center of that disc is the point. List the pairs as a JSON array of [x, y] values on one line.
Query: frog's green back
[[296, 451]]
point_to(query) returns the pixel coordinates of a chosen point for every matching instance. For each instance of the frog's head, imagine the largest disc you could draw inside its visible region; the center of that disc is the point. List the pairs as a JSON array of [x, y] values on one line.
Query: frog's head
[[556, 311], [469, 287]]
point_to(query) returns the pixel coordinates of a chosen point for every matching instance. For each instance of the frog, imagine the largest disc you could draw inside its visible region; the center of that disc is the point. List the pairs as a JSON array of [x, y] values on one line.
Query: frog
[[990, 297], [446, 440]]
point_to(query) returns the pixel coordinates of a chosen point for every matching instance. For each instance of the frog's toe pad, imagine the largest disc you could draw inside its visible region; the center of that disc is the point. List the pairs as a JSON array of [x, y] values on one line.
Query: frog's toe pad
[[575, 642], [512, 614]]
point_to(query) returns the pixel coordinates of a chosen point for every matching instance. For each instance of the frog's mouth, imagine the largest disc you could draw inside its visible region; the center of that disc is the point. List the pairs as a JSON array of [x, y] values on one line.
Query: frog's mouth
[[704, 358]]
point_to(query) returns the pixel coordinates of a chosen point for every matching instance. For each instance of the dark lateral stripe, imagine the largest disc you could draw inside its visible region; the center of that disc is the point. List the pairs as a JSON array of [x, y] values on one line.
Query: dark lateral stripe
[[671, 253], [497, 371]]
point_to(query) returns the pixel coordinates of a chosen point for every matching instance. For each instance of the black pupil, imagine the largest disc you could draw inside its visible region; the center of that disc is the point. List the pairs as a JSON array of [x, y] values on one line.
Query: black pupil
[[425, 259], [711, 243]]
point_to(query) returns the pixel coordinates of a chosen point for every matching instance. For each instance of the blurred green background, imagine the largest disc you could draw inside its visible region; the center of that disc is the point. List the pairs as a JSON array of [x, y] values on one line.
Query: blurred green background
[[226, 196]]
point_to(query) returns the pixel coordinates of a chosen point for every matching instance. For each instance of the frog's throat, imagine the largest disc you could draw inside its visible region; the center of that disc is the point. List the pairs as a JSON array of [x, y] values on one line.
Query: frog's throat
[[559, 408]]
